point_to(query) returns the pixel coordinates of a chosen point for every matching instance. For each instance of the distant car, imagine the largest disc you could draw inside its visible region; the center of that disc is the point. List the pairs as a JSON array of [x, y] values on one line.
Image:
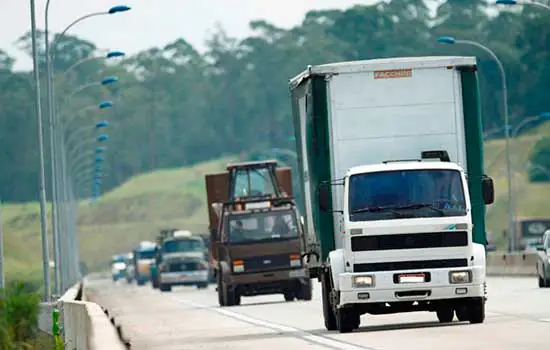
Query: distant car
[[543, 261]]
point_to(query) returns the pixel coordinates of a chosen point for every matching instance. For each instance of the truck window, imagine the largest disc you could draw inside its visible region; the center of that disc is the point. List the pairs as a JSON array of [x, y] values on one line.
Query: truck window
[[262, 226], [253, 182], [183, 245], [402, 194], [146, 255]]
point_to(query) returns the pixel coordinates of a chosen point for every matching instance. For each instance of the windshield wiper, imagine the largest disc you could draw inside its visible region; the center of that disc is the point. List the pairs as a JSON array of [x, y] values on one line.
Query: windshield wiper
[[419, 206], [376, 209]]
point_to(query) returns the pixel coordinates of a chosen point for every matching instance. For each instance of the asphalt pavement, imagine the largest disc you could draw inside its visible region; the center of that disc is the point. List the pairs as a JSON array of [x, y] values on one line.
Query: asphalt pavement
[[518, 317]]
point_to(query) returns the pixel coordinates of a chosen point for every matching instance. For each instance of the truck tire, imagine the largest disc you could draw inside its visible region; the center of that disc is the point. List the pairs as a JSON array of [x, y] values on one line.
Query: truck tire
[[165, 288], [445, 314], [202, 285], [231, 297], [347, 319], [305, 290], [461, 313], [289, 295], [476, 311], [542, 282], [328, 314]]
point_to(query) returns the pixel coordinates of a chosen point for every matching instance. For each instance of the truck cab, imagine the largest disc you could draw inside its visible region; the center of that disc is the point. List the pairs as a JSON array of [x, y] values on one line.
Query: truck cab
[[182, 261], [143, 257], [257, 241]]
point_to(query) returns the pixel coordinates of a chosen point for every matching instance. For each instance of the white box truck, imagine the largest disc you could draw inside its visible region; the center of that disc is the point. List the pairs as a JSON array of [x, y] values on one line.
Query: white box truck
[[390, 153]]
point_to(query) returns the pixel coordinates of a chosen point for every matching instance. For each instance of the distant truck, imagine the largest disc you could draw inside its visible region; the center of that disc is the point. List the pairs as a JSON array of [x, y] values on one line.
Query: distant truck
[[179, 261], [390, 155], [143, 256], [118, 267], [256, 242]]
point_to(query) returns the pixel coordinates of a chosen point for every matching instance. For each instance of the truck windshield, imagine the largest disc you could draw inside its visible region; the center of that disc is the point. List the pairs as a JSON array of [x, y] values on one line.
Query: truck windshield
[[253, 183], [183, 245], [262, 226], [402, 194], [146, 255]]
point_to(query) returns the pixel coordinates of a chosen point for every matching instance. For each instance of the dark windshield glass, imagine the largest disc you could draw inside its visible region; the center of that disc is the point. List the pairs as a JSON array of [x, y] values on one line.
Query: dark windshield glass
[[183, 245], [117, 259], [262, 226], [149, 254], [406, 194]]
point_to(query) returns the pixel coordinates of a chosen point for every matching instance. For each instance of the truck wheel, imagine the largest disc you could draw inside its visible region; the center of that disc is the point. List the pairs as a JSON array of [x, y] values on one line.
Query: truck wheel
[[445, 314], [305, 290], [328, 314], [461, 313], [202, 285], [347, 319], [289, 295], [542, 282], [476, 311], [230, 296], [165, 288]]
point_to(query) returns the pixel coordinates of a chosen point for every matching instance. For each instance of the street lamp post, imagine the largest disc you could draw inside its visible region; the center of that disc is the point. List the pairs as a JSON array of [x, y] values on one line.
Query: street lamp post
[[523, 2], [511, 204], [38, 111], [110, 54], [50, 55]]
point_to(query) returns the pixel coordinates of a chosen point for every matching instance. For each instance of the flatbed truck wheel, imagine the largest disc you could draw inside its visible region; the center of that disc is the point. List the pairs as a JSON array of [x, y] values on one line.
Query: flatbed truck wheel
[[328, 313], [476, 311], [445, 314], [165, 288], [543, 283], [219, 289]]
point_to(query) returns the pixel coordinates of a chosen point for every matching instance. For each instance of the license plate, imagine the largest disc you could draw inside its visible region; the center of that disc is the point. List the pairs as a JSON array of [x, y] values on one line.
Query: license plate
[[412, 278]]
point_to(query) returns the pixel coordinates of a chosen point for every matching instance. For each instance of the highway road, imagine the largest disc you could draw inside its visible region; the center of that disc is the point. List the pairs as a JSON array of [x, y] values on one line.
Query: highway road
[[518, 317]]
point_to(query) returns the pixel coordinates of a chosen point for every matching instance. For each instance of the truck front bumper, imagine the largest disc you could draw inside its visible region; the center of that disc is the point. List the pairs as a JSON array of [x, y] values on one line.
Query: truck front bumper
[[388, 289], [184, 278]]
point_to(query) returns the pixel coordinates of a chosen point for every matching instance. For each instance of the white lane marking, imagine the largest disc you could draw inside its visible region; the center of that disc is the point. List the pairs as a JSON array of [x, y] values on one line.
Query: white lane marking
[[544, 320], [326, 341]]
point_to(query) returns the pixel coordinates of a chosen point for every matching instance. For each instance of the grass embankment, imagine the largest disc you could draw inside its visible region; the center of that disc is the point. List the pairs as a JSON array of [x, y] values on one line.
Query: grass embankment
[[176, 198]]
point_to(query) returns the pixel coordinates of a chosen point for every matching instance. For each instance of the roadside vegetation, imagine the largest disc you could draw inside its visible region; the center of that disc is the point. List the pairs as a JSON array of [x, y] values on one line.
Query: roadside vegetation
[[19, 310]]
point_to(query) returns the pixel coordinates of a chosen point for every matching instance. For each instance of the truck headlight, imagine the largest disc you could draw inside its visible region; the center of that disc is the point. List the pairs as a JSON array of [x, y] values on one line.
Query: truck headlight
[[363, 281], [460, 277]]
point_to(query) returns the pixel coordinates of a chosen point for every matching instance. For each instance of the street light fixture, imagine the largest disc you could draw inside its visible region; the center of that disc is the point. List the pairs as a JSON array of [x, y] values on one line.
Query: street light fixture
[[57, 190], [511, 205]]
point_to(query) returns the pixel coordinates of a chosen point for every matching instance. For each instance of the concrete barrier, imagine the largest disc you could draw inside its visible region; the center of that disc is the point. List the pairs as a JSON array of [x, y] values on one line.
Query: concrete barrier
[[511, 264], [84, 325]]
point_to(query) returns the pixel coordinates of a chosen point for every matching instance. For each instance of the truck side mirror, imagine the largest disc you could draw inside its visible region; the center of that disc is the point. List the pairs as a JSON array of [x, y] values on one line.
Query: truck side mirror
[[323, 198], [488, 190]]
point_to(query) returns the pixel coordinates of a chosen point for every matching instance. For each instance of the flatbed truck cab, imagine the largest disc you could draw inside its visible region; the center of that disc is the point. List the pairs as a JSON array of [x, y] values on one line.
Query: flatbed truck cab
[[391, 161], [257, 241]]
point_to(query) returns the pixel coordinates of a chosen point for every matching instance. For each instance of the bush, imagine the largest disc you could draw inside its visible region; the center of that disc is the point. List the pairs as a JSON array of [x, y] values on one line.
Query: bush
[[19, 310], [539, 170]]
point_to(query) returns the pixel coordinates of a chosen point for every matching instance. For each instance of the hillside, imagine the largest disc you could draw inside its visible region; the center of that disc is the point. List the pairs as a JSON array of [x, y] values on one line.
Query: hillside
[[176, 198]]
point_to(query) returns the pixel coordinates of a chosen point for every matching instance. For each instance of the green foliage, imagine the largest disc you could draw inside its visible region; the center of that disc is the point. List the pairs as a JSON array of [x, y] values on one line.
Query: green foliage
[[539, 170], [19, 309], [176, 107]]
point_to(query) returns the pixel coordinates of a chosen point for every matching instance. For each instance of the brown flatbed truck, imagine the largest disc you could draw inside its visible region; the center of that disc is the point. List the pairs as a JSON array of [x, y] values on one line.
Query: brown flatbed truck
[[256, 236]]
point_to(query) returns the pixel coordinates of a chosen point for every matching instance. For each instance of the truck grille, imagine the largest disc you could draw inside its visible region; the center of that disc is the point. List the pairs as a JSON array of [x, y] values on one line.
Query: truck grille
[[268, 262], [182, 266], [410, 241], [410, 265]]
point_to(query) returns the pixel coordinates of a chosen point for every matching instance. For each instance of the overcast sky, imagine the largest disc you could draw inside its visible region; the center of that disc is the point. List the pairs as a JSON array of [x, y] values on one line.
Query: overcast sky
[[152, 22]]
